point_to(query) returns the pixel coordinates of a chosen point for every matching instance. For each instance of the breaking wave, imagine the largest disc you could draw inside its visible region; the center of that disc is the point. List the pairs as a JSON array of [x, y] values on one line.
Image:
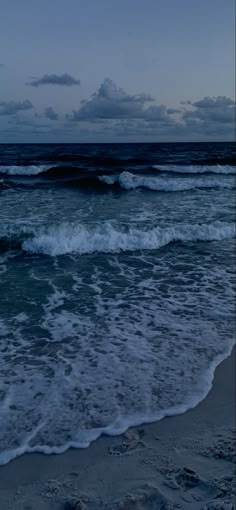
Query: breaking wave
[[26, 170], [106, 238], [58, 171], [130, 181], [197, 169]]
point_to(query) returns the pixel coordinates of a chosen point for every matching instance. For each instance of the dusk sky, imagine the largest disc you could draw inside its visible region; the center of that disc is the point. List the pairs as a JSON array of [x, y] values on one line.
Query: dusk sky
[[117, 71]]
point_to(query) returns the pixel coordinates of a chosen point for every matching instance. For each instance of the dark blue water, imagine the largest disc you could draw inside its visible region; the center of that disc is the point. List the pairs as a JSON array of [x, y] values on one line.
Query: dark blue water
[[117, 296]]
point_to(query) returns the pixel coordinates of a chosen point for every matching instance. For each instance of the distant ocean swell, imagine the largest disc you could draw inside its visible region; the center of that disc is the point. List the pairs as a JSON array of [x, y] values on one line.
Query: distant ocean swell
[[166, 178], [31, 170], [107, 238], [197, 169], [26, 170], [129, 181]]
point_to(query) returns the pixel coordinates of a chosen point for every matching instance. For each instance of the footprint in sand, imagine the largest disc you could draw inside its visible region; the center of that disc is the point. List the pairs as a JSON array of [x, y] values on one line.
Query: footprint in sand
[[219, 506], [187, 478], [132, 441], [146, 498], [191, 486], [224, 448], [76, 504]]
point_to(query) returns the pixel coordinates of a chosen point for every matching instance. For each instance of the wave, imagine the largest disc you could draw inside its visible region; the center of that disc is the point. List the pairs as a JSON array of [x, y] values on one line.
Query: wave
[[83, 438], [3, 185], [125, 181], [106, 238], [197, 169], [9, 244], [91, 160], [130, 181], [26, 170], [61, 175], [58, 171]]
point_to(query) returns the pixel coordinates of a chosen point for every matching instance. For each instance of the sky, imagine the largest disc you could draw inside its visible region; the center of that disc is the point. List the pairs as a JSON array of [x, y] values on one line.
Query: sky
[[117, 71]]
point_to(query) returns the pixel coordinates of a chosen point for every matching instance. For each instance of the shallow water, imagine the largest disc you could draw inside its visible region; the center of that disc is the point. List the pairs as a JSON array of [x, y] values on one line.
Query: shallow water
[[117, 286]]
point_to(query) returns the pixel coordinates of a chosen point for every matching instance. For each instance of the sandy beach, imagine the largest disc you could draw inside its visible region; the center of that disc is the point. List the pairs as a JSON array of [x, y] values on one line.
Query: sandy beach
[[186, 461]]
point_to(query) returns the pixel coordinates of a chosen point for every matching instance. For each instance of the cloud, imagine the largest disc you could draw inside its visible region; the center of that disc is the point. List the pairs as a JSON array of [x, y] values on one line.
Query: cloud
[[172, 110], [212, 110], [158, 113], [111, 110], [50, 113], [13, 107], [112, 114], [63, 80], [111, 102], [28, 123], [209, 102]]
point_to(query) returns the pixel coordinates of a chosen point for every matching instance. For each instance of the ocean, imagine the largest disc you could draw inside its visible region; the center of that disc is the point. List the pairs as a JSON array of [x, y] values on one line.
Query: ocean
[[117, 297]]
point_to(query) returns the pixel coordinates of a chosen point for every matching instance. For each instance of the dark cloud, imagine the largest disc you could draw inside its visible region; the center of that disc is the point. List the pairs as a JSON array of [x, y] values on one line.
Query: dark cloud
[[28, 123], [13, 107], [172, 110], [63, 80], [111, 110], [157, 113], [111, 102], [50, 113], [213, 102], [111, 114], [215, 110]]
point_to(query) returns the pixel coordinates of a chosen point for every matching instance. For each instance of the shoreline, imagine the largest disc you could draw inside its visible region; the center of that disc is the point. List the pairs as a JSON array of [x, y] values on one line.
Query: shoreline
[[117, 429], [186, 459]]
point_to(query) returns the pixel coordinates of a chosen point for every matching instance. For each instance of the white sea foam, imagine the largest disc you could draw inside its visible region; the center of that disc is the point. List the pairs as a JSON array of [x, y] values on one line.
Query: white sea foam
[[23, 169], [106, 238], [197, 169], [129, 181], [109, 179], [116, 367], [83, 438]]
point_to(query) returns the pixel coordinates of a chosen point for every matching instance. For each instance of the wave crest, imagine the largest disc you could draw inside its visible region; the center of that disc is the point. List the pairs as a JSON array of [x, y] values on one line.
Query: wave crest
[[106, 238], [197, 169], [27, 170], [130, 181]]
